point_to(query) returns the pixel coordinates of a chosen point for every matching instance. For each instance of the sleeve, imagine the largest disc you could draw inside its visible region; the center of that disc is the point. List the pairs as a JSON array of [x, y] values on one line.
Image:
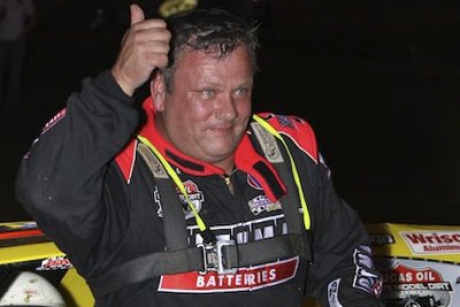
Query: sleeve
[[61, 180], [342, 272]]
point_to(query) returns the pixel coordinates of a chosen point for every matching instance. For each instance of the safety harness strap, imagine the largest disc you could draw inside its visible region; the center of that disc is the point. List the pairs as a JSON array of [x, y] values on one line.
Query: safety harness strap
[[175, 230], [282, 160], [144, 268], [275, 155], [198, 259]]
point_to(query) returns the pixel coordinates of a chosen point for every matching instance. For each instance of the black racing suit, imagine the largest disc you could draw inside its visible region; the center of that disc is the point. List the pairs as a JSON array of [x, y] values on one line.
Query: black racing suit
[[95, 197]]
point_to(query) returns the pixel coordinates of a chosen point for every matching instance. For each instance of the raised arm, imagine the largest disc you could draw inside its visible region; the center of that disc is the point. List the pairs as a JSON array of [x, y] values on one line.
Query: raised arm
[[61, 180]]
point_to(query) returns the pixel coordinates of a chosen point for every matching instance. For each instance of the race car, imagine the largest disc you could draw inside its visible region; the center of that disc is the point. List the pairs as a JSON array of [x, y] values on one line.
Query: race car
[[34, 272]]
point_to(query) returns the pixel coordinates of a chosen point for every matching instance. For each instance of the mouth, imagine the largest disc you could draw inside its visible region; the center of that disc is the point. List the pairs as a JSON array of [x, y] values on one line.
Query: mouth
[[222, 130], [222, 127]]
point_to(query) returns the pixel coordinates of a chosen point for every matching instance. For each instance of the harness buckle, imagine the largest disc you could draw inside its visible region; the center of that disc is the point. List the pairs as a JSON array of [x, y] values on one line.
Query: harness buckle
[[217, 257]]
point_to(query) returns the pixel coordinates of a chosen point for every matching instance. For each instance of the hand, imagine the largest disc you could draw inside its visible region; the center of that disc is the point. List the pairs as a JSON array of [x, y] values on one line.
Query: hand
[[144, 48]]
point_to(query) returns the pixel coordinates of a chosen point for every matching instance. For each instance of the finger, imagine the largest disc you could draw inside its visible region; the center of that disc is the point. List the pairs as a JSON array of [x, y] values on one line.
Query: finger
[[158, 60], [154, 34], [151, 24], [158, 47], [137, 14]]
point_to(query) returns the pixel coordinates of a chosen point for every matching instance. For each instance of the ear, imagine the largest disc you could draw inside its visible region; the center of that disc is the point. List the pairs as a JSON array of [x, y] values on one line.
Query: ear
[[157, 91]]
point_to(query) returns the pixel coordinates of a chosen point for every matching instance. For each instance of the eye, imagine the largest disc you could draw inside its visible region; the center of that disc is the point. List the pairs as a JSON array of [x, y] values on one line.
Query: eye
[[241, 92], [207, 93]]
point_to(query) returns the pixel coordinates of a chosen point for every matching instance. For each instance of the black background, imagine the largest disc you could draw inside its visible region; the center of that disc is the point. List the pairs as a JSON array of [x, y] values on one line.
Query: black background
[[378, 81]]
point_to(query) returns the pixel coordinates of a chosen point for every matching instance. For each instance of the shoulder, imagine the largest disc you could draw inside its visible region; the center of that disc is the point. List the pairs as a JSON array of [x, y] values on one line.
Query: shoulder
[[126, 158], [295, 128]]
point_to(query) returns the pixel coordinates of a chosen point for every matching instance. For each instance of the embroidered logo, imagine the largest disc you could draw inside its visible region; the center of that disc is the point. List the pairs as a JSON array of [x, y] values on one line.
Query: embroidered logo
[[261, 204], [364, 279], [55, 263], [156, 198], [194, 193], [285, 121], [253, 183], [333, 293]]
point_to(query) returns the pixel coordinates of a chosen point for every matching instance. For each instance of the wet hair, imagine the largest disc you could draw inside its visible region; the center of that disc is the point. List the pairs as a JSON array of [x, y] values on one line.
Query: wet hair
[[214, 30]]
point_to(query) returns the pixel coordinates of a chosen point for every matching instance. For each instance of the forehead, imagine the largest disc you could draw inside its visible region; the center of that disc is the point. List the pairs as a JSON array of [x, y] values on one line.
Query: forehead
[[191, 59]]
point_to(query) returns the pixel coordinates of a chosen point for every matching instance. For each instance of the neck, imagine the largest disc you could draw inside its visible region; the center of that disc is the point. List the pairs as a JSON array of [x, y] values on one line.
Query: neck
[[228, 166]]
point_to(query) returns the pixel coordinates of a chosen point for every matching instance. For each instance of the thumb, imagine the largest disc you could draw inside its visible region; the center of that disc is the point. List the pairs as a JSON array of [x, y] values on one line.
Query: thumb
[[137, 14]]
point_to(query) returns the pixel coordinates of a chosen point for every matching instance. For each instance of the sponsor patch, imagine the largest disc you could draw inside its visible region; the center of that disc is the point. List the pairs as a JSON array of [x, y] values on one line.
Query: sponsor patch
[[261, 204], [55, 263], [195, 194], [403, 278], [432, 242], [409, 282], [364, 279], [285, 121], [54, 120], [156, 198], [333, 293], [246, 279], [253, 183], [255, 230], [196, 197]]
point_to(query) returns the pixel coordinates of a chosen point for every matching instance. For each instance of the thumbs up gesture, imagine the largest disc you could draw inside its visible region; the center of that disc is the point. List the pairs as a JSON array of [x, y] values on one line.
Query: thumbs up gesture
[[144, 48]]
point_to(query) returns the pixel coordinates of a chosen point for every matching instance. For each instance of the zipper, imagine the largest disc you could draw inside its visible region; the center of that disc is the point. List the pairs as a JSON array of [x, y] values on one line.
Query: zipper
[[229, 184], [228, 181]]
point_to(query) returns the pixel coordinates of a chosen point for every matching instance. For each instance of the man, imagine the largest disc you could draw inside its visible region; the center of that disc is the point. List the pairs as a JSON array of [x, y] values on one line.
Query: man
[[17, 17], [263, 225]]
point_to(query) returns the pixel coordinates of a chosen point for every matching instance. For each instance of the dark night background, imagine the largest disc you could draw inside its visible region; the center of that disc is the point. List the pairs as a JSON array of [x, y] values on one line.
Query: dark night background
[[378, 80]]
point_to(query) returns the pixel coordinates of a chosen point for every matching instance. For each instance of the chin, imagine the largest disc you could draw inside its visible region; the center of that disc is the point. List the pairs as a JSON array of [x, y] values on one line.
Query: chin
[[213, 156]]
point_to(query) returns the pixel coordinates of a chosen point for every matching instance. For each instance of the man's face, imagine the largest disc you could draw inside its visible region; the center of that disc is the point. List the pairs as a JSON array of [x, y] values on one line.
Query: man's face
[[206, 112]]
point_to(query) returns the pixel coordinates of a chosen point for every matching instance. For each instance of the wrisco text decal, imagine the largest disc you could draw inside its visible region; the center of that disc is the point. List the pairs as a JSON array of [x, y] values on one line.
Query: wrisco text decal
[[432, 242]]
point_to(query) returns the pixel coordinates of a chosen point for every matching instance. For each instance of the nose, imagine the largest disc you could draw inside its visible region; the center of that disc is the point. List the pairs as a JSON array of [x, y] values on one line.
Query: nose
[[226, 108]]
